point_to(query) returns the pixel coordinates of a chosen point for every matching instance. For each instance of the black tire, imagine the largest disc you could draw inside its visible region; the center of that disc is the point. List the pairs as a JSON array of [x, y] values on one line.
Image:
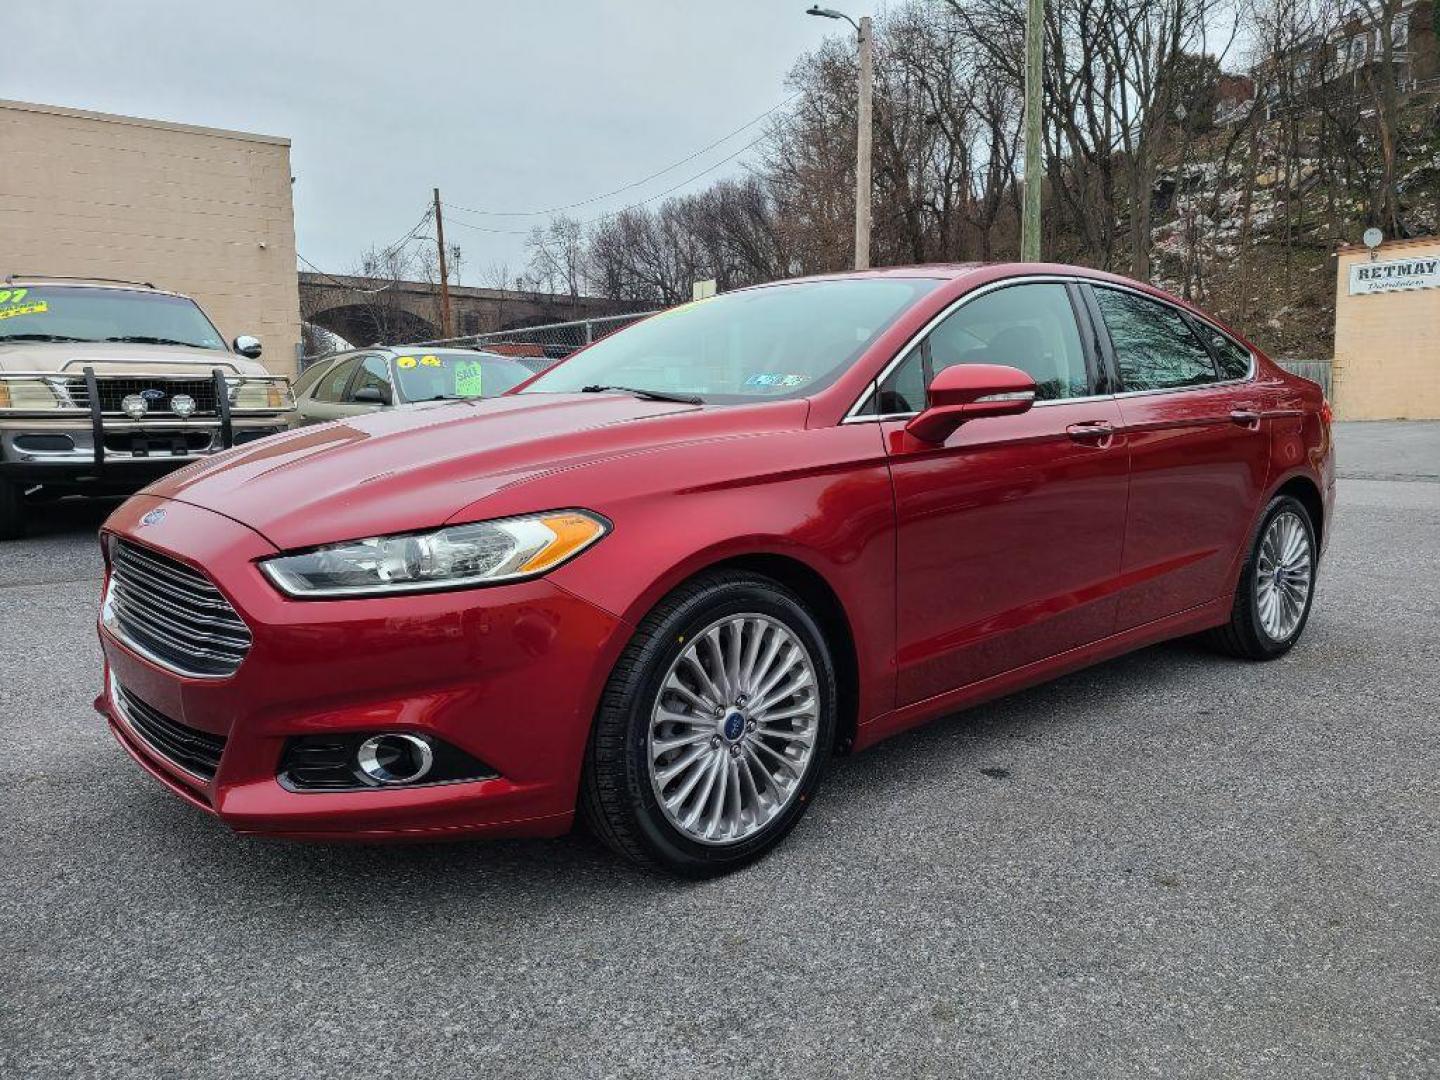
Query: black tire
[[617, 800], [1245, 636], [12, 511]]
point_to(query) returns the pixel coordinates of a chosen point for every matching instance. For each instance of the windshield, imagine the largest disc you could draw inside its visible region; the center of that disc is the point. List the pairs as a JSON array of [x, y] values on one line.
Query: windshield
[[773, 342], [77, 313], [425, 376]]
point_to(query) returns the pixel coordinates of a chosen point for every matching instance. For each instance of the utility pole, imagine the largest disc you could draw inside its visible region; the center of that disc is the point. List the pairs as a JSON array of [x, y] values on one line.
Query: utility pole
[[862, 130], [447, 327], [862, 146], [1034, 137]]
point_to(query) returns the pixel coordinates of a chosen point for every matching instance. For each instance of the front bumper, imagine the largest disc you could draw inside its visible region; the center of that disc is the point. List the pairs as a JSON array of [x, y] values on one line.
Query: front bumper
[[131, 453], [510, 675]]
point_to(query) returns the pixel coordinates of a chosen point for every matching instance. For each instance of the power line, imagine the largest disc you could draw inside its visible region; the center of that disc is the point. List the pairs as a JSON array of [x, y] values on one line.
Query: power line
[[638, 183], [677, 187]]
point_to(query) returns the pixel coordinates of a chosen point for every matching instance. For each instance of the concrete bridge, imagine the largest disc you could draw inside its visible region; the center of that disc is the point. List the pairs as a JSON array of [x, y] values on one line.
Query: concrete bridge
[[366, 311]]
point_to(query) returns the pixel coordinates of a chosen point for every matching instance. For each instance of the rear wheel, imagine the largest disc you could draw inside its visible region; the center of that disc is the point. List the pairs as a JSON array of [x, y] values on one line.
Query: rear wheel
[[714, 729], [12, 511], [1277, 585]]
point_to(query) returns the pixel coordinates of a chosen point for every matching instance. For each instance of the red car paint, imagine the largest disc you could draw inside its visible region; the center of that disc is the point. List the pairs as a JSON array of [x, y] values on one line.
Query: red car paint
[[1023, 547]]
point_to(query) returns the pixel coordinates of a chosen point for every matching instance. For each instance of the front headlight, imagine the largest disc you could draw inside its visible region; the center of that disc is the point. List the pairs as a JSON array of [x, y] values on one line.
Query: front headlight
[[33, 393], [260, 395], [485, 553]]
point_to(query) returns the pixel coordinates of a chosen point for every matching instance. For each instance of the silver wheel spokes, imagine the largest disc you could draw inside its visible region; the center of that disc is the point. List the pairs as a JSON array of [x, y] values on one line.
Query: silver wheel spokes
[[1282, 575], [734, 728]]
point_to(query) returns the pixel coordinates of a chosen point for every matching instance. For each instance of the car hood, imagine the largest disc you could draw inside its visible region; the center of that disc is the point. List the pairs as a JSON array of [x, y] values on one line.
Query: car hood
[[397, 470], [119, 358]]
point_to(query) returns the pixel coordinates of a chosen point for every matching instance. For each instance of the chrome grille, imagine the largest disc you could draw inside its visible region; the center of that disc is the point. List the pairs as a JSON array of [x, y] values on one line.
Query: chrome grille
[[197, 752], [113, 389], [172, 614]]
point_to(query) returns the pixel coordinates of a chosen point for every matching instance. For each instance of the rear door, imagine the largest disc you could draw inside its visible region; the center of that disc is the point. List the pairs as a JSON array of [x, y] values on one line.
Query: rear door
[[326, 395], [1008, 535], [1199, 456]]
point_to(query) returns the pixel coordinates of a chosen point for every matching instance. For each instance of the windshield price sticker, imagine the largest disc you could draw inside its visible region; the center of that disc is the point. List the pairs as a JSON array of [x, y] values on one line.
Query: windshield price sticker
[[39, 307], [13, 296], [408, 362], [469, 377]]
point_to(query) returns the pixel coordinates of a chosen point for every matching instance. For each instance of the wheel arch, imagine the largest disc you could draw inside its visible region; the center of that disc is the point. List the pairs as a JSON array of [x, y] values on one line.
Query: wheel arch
[[819, 595], [1304, 489]]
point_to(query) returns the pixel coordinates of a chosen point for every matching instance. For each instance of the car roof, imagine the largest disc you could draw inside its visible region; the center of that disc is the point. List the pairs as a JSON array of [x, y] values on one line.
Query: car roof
[[113, 284]]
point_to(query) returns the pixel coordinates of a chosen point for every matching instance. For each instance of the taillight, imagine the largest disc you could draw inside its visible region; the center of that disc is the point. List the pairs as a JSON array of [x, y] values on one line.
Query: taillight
[[1327, 414]]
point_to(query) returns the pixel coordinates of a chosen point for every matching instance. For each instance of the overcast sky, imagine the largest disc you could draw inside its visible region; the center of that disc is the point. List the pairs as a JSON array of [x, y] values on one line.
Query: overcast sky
[[504, 104]]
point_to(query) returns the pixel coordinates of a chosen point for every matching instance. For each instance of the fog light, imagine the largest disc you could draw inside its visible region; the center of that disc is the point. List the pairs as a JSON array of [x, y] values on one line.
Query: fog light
[[134, 406], [396, 758], [183, 406]]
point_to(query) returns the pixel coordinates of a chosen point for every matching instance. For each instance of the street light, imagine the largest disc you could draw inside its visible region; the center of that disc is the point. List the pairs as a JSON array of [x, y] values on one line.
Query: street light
[[862, 134]]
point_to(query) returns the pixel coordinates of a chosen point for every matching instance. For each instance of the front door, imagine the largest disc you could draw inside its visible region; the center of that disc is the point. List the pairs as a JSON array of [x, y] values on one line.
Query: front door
[[1008, 543]]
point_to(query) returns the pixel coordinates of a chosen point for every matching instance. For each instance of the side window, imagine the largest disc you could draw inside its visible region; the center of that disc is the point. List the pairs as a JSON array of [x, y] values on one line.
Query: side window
[[309, 376], [1030, 327], [1155, 348], [332, 383], [1234, 358], [374, 375]]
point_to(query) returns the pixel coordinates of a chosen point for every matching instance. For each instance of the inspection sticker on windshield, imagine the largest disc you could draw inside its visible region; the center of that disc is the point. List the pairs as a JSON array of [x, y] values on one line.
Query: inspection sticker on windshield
[[469, 377], [39, 307], [771, 379]]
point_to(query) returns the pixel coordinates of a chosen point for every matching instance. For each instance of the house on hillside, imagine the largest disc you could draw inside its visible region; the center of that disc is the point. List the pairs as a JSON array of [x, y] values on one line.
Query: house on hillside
[[1350, 54]]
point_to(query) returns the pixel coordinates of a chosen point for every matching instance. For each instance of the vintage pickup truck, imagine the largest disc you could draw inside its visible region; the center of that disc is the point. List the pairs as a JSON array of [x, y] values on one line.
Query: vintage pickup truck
[[106, 385]]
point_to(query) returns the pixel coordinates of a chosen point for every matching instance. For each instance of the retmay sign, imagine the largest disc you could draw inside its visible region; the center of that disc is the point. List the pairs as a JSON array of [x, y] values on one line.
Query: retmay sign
[[1394, 275]]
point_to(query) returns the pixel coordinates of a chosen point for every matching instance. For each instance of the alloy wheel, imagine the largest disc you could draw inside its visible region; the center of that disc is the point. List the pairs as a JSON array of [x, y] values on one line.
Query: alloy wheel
[[1283, 575], [733, 729]]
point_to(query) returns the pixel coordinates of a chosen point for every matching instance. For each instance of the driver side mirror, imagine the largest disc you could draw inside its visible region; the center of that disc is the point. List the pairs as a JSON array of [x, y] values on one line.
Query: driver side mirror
[[370, 395], [968, 392], [248, 346]]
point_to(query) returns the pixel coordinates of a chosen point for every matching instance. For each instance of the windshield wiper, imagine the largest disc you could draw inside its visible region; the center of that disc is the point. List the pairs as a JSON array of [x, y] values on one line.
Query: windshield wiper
[[40, 337], [145, 339], [646, 395]]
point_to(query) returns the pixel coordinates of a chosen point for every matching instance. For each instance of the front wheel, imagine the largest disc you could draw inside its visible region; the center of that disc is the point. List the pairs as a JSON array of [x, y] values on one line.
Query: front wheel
[[1277, 585], [714, 729]]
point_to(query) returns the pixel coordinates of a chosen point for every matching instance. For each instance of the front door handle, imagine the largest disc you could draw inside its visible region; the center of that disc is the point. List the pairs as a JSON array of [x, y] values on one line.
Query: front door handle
[[1092, 433], [1245, 417]]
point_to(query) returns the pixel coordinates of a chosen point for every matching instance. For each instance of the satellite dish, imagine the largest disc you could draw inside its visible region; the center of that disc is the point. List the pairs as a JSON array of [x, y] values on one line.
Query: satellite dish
[[1373, 238]]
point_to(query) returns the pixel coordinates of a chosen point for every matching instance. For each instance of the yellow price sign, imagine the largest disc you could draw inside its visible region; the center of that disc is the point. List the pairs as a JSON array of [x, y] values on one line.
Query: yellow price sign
[[406, 362], [39, 307], [13, 296]]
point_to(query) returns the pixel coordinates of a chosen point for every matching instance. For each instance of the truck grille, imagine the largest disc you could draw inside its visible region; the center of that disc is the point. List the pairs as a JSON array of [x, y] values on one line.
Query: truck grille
[[197, 752], [173, 614], [114, 389]]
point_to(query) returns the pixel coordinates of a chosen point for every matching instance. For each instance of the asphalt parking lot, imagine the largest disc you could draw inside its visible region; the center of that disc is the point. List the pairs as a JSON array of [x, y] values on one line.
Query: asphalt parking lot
[[1171, 865]]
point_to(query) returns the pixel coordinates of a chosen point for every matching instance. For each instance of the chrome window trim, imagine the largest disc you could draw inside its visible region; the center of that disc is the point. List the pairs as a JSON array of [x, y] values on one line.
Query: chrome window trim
[[852, 415], [1184, 313]]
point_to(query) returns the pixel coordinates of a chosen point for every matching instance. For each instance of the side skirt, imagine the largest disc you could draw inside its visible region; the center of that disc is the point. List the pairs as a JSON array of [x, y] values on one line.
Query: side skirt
[[1190, 621]]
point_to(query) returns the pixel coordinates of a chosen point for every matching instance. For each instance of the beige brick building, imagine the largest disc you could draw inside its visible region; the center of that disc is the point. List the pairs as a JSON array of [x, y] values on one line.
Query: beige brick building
[[197, 210], [1387, 332]]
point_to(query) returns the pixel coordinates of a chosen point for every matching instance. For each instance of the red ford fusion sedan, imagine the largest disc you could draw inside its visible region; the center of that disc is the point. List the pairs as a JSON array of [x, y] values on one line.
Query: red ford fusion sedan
[[659, 585]]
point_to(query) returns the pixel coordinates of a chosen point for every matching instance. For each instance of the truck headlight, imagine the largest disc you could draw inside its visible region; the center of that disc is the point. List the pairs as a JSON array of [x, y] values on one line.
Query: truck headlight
[[32, 393], [260, 395], [484, 553]]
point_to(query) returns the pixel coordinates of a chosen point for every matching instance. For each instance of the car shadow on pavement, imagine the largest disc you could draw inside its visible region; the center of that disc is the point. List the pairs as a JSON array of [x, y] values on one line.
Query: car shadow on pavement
[[979, 743], [68, 516]]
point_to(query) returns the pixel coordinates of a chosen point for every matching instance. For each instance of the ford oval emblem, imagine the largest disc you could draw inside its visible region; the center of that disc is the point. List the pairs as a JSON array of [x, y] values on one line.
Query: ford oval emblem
[[154, 517], [152, 395]]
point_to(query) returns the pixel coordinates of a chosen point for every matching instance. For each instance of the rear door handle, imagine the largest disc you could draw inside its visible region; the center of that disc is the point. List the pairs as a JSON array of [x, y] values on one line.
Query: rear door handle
[[1092, 432], [1245, 417]]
